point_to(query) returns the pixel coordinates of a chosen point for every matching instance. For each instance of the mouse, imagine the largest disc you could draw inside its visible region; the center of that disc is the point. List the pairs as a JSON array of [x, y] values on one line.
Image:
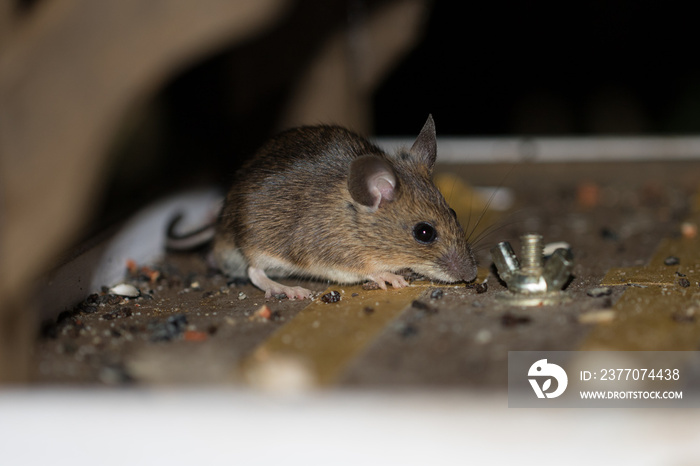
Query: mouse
[[326, 203]]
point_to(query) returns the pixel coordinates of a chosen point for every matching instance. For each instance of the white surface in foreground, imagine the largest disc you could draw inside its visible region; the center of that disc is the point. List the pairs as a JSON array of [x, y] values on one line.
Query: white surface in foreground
[[197, 426]]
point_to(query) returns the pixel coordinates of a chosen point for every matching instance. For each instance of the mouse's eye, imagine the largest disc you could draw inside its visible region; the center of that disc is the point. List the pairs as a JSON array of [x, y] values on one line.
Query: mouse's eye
[[424, 233], [453, 213]]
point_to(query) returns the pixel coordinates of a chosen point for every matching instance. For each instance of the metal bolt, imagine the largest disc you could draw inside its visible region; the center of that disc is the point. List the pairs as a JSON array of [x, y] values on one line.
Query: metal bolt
[[532, 282], [531, 251]]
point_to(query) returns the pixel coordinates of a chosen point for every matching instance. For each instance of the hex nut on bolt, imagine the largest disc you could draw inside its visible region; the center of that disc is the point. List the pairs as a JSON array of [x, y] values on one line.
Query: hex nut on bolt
[[532, 281]]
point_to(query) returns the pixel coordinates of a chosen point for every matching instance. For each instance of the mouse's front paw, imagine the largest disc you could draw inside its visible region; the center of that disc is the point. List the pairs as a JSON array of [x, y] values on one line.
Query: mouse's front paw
[[397, 281]]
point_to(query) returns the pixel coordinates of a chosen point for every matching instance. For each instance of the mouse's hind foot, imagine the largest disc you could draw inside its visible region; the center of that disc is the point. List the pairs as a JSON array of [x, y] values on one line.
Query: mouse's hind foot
[[272, 288]]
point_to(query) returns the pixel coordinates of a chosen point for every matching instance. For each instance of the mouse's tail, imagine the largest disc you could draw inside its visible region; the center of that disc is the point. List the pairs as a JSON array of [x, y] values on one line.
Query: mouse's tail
[[190, 240]]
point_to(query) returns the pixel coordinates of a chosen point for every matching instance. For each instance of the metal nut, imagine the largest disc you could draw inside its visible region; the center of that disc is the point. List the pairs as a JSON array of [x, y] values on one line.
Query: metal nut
[[531, 281]]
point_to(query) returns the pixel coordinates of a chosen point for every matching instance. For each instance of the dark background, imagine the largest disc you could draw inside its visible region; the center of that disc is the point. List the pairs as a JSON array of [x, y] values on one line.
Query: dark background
[[509, 68], [580, 68]]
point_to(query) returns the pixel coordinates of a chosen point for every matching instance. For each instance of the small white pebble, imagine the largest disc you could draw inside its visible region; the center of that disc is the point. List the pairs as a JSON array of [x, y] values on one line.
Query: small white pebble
[[124, 289]]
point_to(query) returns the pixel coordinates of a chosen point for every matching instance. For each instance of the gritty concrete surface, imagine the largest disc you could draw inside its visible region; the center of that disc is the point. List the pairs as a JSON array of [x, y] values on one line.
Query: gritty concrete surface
[[191, 325]]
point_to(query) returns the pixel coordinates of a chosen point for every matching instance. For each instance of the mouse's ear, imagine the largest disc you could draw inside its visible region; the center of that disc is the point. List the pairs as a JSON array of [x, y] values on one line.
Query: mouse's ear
[[425, 147], [371, 181]]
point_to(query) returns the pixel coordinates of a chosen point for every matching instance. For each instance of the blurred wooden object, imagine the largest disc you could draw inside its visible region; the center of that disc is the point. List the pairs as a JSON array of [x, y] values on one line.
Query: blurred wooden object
[[68, 72], [337, 85], [71, 69]]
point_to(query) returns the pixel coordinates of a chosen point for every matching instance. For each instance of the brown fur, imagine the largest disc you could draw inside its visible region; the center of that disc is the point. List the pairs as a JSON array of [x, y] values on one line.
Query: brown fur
[[291, 209]]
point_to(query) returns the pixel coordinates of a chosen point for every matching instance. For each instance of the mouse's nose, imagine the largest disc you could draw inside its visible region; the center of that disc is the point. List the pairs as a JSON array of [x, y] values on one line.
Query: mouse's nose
[[460, 265]]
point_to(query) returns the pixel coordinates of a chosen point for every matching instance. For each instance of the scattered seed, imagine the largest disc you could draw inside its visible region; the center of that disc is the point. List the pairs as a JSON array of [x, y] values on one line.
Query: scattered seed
[[264, 312], [600, 291], [114, 374], [596, 317], [437, 294], [126, 290], [511, 320], [588, 195], [132, 267], [689, 230], [483, 336], [195, 335], [173, 327], [408, 330], [420, 305], [87, 308], [331, 297], [687, 316], [117, 313], [607, 303], [368, 310], [481, 288], [237, 282], [608, 234], [242, 295], [684, 282], [109, 299], [672, 260], [151, 275]]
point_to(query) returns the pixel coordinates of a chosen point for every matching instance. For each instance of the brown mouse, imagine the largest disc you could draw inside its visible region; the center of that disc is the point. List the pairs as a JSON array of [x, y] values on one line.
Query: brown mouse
[[323, 202]]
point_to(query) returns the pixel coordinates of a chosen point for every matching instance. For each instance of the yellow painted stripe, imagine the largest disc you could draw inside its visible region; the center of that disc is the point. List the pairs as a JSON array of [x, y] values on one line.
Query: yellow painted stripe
[[326, 337], [644, 321], [644, 317], [687, 250]]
